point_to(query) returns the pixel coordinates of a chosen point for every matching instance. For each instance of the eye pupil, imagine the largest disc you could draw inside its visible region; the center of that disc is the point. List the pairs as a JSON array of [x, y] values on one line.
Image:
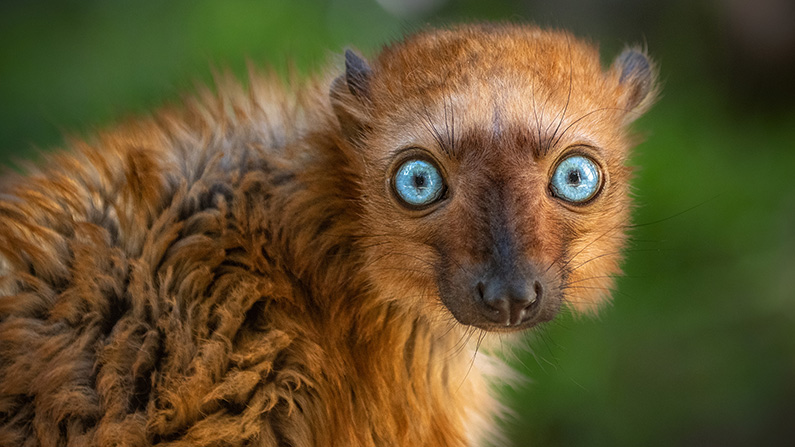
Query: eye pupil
[[576, 179], [418, 183]]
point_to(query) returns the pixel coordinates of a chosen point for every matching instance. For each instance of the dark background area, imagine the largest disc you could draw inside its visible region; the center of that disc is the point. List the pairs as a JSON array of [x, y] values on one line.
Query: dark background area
[[698, 347]]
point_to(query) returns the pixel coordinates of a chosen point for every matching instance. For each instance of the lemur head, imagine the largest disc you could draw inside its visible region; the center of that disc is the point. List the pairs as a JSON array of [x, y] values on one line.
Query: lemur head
[[493, 170]]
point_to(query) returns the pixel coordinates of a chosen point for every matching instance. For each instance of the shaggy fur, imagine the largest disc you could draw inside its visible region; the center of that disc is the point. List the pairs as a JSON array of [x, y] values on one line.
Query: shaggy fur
[[238, 272]]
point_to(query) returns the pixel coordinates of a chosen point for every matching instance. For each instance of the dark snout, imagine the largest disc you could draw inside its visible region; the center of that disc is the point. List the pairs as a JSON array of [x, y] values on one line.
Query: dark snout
[[508, 301], [492, 297], [491, 274]]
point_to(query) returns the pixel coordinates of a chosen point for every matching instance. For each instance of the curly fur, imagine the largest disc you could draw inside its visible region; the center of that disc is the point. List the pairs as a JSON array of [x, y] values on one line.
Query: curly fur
[[208, 276]]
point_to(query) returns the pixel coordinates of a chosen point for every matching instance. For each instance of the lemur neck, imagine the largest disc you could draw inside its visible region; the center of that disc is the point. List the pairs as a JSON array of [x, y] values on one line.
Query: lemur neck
[[405, 383]]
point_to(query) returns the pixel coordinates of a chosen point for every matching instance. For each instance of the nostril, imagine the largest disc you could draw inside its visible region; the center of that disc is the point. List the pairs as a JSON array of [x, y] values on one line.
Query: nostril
[[481, 290], [539, 290], [497, 306]]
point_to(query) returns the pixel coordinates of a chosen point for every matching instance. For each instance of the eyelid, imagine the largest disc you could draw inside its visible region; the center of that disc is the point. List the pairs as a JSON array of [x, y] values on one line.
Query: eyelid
[[593, 153]]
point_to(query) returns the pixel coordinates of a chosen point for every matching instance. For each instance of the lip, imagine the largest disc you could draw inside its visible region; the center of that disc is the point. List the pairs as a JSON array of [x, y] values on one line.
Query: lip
[[546, 312], [540, 316], [498, 328]]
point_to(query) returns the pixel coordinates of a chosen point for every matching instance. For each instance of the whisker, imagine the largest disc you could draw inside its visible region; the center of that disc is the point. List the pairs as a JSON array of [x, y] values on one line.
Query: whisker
[[535, 108], [610, 230], [687, 210], [582, 117], [424, 261], [594, 258], [452, 135], [481, 335], [551, 141], [400, 269], [590, 278], [463, 342], [427, 122]]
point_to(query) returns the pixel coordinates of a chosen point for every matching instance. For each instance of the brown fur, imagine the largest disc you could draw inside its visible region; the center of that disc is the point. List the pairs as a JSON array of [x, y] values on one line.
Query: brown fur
[[235, 272]]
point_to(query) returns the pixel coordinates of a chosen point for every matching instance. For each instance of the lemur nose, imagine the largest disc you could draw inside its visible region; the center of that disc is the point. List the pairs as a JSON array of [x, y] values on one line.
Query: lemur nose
[[509, 302]]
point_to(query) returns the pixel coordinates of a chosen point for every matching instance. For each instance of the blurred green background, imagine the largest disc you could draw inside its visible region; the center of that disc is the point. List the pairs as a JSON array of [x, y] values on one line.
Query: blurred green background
[[698, 348]]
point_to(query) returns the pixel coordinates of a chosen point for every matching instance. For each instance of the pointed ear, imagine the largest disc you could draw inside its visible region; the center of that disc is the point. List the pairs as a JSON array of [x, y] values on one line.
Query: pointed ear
[[637, 77], [350, 96]]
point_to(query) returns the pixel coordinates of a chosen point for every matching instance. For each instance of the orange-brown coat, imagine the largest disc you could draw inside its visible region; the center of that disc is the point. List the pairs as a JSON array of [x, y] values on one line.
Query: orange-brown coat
[[237, 271]]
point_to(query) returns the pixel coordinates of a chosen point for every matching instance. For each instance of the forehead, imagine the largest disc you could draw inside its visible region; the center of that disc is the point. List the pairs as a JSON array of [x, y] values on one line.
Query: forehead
[[452, 59], [529, 81], [502, 113]]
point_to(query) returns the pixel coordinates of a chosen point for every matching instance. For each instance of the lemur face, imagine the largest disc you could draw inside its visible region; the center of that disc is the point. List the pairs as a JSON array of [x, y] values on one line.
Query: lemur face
[[495, 179]]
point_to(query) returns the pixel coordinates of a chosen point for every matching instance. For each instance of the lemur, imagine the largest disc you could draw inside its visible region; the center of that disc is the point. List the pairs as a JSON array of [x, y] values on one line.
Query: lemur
[[327, 262]]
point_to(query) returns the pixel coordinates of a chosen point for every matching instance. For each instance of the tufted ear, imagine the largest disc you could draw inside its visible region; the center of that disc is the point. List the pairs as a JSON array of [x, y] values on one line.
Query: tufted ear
[[350, 96], [637, 77]]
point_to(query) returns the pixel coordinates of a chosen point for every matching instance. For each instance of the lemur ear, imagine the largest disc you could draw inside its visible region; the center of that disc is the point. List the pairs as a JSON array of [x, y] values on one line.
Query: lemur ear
[[350, 96], [637, 77]]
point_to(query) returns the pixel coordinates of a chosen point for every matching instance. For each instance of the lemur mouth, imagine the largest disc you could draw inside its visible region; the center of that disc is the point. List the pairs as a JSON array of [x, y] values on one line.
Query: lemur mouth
[[534, 318], [500, 303], [512, 314]]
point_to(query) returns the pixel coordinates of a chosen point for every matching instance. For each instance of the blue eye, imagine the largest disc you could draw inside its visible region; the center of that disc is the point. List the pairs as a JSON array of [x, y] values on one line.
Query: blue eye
[[418, 183], [576, 179]]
